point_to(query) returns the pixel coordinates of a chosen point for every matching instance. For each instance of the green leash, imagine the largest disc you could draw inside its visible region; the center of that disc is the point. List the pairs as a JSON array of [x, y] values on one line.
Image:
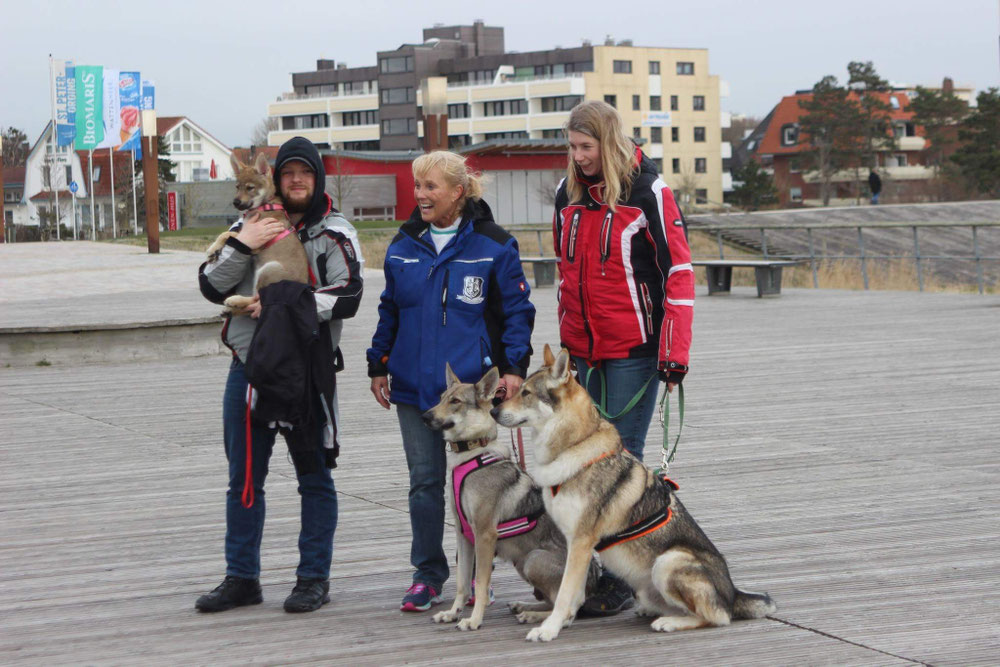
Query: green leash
[[668, 453]]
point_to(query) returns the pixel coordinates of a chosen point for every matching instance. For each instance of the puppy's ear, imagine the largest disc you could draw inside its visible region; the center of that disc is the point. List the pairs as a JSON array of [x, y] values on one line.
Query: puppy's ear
[[235, 163], [487, 386], [549, 359], [449, 375], [560, 369], [262, 164]]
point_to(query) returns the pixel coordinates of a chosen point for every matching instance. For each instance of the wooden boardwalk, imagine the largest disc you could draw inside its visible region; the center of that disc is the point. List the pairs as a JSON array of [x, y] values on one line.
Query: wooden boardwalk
[[841, 448]]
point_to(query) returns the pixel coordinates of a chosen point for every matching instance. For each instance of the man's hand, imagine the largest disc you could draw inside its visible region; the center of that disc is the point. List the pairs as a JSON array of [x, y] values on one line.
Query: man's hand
[[510, 384], [254, 307], [257, 231], [380, 388]]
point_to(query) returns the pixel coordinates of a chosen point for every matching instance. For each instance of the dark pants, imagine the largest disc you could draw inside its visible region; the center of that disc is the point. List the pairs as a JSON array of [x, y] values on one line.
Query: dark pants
[[425, 458], [245, 526]]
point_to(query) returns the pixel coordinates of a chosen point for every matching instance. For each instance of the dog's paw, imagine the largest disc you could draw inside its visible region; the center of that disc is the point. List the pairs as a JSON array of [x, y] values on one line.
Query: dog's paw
[[542, 634], [468, 624], [532, 616], [671, 623], [449, 616], [646, 611], [516, 607]]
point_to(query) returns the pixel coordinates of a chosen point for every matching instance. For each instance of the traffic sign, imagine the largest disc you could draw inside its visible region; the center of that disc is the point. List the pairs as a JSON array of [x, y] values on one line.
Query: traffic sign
[[73, 187]]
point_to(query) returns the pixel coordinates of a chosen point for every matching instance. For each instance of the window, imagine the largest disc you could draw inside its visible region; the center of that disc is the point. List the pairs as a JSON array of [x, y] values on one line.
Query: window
[[637, 132], [305, 122], [374, 212], [69, 175], [396, 64], [904, 130], [789, 134], [200, 174], [398, 95], [325, 90], [656, 135], [359, 87], [700, 165], [565, 103], [654, 66], [97, 173], [894, 101], [556, 70], [701, 196], [505, 135], [8, 217], [552, 134], [675, 134], [795, 165], [699, 134], [612, 100], [636, 102], [698, 102], [675, 165], [371, 145], [460, 110], [458, 140], [655, 103], [622, 66], [795, 194], [369, 117], [673, 103], [505, 107], [685, 69], [399, 126], [46, 177], [658, 161], [900, 159]]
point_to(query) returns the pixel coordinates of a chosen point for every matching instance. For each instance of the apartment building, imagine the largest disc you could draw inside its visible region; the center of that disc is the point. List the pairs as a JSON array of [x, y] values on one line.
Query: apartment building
[[668, 98]]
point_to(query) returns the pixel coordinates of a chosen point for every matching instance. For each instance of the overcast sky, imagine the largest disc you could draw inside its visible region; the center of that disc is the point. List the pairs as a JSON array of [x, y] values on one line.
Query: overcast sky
[[221, 62]]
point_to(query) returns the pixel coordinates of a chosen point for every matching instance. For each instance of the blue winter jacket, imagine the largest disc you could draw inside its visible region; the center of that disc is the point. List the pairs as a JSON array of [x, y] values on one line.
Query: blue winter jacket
[[467, 306]]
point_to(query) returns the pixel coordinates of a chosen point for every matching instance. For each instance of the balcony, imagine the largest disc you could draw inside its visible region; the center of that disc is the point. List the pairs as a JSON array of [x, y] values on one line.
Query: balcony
[[910, 143]]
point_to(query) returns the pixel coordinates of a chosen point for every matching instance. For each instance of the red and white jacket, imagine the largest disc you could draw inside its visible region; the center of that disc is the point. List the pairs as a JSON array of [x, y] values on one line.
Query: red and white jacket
[[626, 286]]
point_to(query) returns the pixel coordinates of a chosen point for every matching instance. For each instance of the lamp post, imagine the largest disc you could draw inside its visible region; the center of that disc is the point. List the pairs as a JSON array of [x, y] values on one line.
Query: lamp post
[[150, 176]]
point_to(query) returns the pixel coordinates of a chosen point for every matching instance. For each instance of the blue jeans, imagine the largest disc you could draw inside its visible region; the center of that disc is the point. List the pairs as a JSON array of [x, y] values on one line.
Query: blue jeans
[[624, 378], [425, 457], [245, 526]]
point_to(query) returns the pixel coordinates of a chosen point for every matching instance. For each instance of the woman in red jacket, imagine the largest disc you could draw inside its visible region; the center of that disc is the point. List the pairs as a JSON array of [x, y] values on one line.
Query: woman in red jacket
[[626, 286]]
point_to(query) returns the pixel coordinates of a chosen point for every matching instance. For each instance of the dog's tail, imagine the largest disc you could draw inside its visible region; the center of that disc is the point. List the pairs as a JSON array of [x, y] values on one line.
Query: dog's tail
[[752, 605]]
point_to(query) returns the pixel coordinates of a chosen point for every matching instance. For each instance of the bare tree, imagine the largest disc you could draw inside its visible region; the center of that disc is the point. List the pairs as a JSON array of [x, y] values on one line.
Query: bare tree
[[738, 127], [15, 147], [684, 184], [341, 182], [258, 136]]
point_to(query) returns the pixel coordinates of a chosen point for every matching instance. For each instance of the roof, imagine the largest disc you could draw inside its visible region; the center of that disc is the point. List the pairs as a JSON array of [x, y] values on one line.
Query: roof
[[788, 112], [522, 146], [103, 181], [13, 176], [45, 195], [166, 123]]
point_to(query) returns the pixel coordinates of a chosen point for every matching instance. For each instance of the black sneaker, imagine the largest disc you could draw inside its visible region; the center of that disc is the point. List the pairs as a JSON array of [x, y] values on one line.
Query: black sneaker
[[613, 596], [232, 592], [308, 595]]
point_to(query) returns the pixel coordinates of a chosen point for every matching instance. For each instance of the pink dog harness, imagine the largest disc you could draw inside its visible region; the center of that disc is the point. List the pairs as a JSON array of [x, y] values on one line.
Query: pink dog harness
[[505, 529]]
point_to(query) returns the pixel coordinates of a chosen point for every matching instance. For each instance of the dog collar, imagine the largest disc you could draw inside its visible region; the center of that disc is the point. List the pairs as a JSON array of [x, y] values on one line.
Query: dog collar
[[466, 445], [277, 238], [270, 207]]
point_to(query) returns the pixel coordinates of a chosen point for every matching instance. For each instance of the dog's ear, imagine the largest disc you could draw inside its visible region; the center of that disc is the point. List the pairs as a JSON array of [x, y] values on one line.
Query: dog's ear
[[486, 388], [549, 359], [235, 164], [449, 375], [262, 165], [560, 369]]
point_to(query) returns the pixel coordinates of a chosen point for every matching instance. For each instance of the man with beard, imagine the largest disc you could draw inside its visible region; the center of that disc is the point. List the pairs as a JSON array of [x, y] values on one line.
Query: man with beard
[[335, 267]]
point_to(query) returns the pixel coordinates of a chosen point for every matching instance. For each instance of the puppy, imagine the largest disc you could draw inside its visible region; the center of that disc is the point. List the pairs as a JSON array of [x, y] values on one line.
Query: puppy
[[495, 506], [603, 498], [283, 258]]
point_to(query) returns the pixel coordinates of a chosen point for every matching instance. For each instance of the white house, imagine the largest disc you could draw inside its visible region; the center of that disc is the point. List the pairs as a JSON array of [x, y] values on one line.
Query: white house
[[48, 173], [193, 150]]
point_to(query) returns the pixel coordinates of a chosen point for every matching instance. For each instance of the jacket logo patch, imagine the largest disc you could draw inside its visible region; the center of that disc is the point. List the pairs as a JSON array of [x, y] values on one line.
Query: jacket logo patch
[[472, 290], [349, 251]]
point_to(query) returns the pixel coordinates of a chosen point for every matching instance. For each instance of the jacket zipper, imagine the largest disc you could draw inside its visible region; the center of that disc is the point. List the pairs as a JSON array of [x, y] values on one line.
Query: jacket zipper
[[571, 242], [444, 300], [606, 240], [647, 304]]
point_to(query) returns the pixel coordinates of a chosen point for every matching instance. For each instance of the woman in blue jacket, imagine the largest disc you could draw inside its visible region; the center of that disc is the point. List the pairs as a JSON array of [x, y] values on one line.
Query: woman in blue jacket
[[454, 293]]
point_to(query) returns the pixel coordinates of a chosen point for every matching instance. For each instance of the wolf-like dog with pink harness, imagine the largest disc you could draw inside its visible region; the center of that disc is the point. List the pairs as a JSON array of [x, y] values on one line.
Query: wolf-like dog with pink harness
[[497, 508]]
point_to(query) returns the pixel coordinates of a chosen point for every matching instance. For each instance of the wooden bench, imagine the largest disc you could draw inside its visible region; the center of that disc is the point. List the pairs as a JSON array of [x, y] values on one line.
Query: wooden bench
[[544, 269], [719, 274]]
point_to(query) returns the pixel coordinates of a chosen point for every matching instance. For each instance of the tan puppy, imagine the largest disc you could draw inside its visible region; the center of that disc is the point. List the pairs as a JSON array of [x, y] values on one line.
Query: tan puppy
[[603, 498], [283, 258]]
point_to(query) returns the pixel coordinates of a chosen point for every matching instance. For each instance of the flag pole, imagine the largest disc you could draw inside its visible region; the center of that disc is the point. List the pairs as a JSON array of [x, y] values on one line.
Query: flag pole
[[114, 224], [135, 204], [55, 145], [93, 206]]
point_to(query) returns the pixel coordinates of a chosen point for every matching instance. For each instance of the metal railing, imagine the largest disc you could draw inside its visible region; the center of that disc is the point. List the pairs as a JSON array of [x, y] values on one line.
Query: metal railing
[[863, 255]]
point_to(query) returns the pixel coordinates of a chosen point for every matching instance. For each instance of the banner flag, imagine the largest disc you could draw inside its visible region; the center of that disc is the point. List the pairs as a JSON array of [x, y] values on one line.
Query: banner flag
[[148, 95], [65, 102], [89, 116], [111, 108], [130, 92]]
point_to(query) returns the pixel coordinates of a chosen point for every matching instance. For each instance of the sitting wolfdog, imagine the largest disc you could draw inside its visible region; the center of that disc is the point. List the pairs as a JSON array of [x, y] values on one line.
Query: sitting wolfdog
[[495, 506]]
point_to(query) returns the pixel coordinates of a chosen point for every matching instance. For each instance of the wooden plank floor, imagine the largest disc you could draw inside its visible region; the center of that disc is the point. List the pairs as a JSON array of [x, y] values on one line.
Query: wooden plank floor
[[841, 449]]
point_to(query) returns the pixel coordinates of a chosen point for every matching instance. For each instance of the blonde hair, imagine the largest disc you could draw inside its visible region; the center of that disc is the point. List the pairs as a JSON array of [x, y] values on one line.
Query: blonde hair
[[601, 121], [455, 171]]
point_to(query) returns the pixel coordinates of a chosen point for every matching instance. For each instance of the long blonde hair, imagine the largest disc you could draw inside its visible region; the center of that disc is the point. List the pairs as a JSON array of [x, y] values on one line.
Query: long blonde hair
[[601, 121], [455, 171]]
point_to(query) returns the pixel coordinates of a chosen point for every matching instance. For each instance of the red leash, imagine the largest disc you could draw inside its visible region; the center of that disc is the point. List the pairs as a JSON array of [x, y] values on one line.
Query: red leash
[[247, 498], [519, 449]]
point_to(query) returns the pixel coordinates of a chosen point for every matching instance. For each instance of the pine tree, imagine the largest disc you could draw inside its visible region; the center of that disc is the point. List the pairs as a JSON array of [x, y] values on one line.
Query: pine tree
[[757, 188], [829, 130], [979, 155]]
